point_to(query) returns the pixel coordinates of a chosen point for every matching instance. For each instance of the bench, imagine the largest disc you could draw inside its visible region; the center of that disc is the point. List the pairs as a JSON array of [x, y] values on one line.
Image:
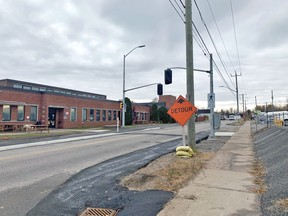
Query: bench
[[36, 128], [4, 128]]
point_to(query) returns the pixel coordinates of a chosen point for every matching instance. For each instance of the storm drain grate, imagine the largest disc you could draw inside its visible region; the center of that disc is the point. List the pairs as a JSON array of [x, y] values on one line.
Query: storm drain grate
[[98, 212]]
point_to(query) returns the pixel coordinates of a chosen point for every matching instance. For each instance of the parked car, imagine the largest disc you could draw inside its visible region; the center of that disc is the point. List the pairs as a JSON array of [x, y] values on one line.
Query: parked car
[[231, 117]]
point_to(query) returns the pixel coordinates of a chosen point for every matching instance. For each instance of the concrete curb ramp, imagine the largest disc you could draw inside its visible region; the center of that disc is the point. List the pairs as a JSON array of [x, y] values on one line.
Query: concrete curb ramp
[[224, 187]]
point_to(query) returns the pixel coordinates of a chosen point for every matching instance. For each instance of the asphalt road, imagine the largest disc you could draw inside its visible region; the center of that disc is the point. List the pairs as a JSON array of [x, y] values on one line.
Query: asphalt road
[[29, 174], [271, 147]]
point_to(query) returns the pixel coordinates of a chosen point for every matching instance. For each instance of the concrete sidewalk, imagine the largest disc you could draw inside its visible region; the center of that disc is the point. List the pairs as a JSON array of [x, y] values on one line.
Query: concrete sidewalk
[[224, 187]]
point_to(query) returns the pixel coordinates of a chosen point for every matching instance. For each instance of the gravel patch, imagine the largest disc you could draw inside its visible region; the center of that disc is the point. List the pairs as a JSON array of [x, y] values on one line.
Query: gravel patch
[[271, 148]]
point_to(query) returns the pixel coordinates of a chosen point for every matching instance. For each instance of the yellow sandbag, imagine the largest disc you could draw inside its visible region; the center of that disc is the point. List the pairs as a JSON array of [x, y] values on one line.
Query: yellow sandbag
[[185, 148], [183, 153], [184, 156]]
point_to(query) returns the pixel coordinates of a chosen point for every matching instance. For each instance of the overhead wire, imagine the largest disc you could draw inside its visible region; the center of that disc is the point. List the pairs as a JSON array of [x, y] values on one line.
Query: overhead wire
[[236, 42], [177, 11], [206, 52], [215, 47], [182, 4], [179, 7], [219, 32], [199, 35], [199, 40]]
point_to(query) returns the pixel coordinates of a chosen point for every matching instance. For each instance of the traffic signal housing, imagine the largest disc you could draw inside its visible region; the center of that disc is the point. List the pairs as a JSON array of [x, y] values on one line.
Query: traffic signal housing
[[160, 89], [168, 76], [121, 105]]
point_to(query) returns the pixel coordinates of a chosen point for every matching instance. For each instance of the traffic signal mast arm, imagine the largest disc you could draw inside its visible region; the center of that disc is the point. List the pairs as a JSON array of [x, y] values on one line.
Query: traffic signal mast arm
[[206, 71], [141, 87], [168, 73]]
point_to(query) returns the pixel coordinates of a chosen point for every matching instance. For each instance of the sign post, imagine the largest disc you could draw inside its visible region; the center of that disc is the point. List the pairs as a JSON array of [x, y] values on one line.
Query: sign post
[[181, 111], [183, 136]]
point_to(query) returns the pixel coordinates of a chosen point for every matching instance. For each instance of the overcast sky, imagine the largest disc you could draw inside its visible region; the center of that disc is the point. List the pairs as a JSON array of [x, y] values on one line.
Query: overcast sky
[[80, 45]]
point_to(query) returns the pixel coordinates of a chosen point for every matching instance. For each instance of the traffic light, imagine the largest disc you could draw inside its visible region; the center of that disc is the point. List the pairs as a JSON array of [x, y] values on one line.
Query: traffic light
[[121, 105], [160, 89], [168, 76]]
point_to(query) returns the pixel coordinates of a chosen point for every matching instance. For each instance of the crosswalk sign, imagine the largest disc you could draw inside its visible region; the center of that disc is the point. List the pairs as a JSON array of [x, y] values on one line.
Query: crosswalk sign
[[211, 100]]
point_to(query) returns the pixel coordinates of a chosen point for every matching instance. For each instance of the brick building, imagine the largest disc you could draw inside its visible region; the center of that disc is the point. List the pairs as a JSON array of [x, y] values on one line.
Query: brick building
[[169, 100], [30, 103]]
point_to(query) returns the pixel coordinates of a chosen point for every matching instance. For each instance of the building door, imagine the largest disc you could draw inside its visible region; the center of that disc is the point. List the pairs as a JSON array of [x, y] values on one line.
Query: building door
[[52, 117]]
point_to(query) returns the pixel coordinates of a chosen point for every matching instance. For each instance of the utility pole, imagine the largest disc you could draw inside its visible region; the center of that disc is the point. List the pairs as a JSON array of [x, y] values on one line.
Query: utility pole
[[189, 71], [272, 97], [243, 104], [266, 110], [255, 102], [212, 131], [237, 95]]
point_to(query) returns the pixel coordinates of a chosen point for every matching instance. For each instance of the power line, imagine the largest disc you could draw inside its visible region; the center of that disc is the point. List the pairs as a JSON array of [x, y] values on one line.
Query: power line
[[236, 42], [216, 49], [235, 36], [220, 74], [206, 51], [182, 4], [177, 12], [199, 40], [220, 34], [179, 7], [199, 35]]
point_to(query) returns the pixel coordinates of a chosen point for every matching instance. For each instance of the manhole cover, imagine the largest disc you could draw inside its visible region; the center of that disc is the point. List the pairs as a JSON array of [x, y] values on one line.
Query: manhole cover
[[98, 212]]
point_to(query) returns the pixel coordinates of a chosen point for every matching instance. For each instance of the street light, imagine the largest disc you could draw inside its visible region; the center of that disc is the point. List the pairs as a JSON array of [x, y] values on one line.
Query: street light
[[124, 104], [237, 98]]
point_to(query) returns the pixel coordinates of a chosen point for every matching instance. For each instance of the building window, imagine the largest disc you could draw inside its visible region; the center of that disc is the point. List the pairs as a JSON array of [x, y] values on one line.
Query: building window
[[17, 86], [20, 113], [73, 114], [26, 87], [103, 115], [114, 115], [97, 115], [6, 113], [109, 115], [91, 114], [84, 114], [33, 113]]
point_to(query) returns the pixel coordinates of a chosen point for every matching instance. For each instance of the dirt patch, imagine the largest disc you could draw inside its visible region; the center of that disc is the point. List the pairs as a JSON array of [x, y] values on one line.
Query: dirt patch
[[259, 172], [282, 204], [169, 173]]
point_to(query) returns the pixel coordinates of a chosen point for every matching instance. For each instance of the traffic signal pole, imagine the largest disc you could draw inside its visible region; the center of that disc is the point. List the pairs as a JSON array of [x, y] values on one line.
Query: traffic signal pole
[[189, 71]]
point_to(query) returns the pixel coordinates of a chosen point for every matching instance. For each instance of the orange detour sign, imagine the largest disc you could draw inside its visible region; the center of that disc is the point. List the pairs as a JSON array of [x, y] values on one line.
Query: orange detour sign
[[182, 110]]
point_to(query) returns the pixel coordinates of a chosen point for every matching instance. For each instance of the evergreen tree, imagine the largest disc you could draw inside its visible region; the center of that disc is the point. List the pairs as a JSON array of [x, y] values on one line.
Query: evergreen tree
[[154, 113], [129, 112], [163, 115]]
